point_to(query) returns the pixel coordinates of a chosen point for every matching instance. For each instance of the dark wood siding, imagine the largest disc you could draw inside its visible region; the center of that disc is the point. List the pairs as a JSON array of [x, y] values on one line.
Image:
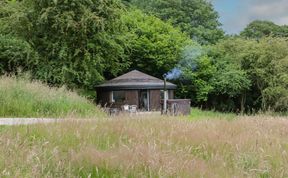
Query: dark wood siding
[[132, 97], [171, 94], [181, 106], [155, 99], [104, 98]]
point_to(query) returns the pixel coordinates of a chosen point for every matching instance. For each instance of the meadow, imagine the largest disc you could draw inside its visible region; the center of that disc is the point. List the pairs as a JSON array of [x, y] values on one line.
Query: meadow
[[147, 146], [204, 144], [21, 97]]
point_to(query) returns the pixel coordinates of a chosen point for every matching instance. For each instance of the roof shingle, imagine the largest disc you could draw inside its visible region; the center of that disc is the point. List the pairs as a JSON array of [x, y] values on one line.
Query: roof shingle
[[135, 80]]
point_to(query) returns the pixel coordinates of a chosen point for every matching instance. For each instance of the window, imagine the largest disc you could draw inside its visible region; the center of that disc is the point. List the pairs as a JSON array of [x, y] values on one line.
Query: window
[[162, 94], [118, 96]]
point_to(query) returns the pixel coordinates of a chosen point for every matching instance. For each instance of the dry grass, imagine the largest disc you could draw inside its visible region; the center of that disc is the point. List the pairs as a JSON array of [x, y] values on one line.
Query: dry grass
[[147, 147]]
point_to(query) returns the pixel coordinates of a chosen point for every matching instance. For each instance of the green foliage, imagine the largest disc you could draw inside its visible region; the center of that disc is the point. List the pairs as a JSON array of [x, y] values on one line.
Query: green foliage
[[197, 18], [16, 54], [237, 75], [265, 64], [259, 29], [154, 46], [205, 79], [21, 98], [228, 80], [77, 40], [199, 78]]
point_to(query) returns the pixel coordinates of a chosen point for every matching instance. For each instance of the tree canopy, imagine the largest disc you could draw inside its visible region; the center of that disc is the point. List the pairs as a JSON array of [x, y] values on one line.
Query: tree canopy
[[259, 29], [76, 40], [197, 18], [154, 46], [265, 64]]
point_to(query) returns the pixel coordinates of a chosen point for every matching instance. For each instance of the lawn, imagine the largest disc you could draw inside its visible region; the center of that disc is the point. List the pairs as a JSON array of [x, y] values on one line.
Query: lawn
[[151, 146]]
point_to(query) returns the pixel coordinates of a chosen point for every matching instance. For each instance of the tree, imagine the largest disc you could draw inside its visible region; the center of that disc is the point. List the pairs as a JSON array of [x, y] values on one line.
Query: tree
[[259, 29], [77, 40], [230, 81], [210, 82], [197, 18], [16, 54], [154, 46], [265, 63]]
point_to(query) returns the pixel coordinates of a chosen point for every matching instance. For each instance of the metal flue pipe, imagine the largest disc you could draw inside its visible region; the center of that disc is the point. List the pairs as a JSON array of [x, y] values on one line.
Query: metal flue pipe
[[165, 95]]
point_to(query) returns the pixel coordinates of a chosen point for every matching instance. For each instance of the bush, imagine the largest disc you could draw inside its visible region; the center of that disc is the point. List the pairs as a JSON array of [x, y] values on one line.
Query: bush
[[16, 53]]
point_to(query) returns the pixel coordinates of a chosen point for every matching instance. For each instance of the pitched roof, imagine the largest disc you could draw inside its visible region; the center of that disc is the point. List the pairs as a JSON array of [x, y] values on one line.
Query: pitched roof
[[135, 80]]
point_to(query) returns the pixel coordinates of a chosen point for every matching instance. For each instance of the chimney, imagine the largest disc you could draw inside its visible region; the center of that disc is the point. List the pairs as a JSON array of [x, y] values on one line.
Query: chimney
[[165, 96]]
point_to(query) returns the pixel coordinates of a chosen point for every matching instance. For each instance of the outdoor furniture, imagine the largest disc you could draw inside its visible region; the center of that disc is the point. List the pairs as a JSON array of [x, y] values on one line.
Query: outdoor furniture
[[129, 108], [113, 111], [133, 109], [125, 108]]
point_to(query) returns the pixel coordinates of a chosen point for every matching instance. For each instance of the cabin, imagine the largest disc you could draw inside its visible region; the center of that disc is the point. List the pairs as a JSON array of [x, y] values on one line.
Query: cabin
[[134, 88]]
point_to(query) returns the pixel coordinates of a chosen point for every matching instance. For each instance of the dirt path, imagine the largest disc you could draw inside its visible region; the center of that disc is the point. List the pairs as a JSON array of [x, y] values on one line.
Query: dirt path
[[26, 121]]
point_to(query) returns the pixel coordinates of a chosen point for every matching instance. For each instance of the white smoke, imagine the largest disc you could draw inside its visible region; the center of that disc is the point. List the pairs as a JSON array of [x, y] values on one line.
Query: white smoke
[[189, 60]]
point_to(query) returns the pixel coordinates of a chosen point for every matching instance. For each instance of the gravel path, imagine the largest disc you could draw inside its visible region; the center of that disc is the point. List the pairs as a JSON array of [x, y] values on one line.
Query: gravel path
[[26, 121]]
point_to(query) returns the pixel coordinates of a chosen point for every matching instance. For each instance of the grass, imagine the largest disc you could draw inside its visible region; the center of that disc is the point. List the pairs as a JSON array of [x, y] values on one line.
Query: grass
[[198, 114], [22, 98], [204, 144], [145, 146]]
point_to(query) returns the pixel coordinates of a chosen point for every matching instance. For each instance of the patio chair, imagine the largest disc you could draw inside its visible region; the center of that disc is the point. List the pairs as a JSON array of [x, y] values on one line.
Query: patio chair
[[125, 108], [133, 109]]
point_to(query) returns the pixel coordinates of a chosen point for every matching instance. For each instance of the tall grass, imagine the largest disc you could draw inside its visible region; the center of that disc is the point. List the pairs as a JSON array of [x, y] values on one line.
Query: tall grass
[[147, 147], [22, 98], [198, 114]]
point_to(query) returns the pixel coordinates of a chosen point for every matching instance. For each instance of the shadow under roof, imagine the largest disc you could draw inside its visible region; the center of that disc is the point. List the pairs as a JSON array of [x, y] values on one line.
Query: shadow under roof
[[135, 80]]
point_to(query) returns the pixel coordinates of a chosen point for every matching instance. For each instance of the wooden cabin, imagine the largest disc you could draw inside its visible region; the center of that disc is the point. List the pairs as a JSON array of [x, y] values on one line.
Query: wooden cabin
[[134, 88]]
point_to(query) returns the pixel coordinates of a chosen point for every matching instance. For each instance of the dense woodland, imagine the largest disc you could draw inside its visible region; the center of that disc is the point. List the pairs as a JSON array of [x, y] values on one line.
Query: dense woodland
[[81, 43]]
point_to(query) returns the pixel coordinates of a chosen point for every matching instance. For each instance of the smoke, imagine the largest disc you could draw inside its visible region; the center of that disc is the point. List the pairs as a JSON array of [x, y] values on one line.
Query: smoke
[[173, 74], [190, 56], [189, 61]]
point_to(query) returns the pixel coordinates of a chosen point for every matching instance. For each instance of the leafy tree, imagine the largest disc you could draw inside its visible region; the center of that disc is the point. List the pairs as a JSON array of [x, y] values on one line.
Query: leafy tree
[[16, 54], [13, 18], [230, 81], [196, 69], [154, 46], [209, 81], [78, 40], [259, 29], [265, 63], [197, 18]]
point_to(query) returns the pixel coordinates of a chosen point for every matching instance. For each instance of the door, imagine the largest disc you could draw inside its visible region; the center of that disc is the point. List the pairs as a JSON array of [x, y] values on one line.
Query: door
[[144, 102]]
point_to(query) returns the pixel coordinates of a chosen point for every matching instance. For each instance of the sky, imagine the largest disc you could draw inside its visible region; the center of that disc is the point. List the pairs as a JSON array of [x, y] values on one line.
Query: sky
[[235, 15]]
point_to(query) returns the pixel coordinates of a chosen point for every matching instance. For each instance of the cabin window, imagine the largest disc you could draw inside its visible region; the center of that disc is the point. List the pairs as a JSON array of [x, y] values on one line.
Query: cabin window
[[162, 94], [118, 96]]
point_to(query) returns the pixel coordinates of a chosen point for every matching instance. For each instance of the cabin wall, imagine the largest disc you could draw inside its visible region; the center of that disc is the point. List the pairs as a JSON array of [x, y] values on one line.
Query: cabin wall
[[104, 98], [179, 106], [171, 94], [155, 98], [132, 97]]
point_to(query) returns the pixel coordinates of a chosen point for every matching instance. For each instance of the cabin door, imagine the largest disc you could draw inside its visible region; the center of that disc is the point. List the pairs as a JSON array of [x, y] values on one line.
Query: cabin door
[[144, 102]]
